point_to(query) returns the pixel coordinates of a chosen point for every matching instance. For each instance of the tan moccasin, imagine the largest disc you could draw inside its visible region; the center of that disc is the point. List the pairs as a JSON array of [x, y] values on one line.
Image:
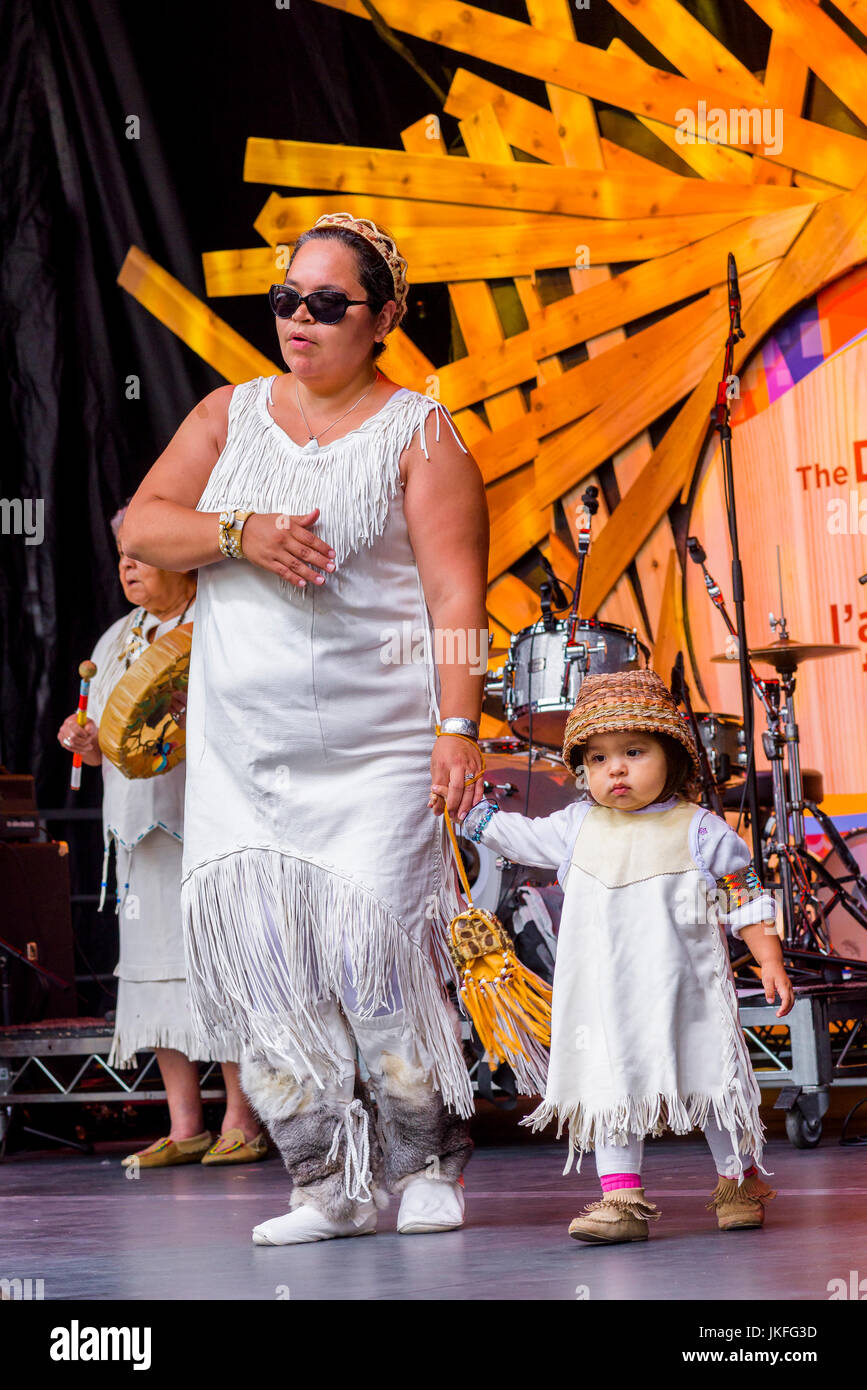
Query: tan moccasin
[[740, 1208], [232, 1147], [621, 1215], [165, 1153]]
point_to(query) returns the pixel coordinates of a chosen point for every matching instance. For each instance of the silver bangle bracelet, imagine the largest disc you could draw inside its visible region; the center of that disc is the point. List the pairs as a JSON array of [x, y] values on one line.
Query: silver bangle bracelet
[[454, 725]]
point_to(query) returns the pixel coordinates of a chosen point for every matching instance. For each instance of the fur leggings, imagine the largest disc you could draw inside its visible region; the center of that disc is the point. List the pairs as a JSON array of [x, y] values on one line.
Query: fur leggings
[[340, 1152]]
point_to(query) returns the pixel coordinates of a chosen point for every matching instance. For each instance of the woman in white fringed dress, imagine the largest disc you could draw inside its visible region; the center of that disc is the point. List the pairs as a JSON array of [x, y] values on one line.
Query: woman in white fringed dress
[[317, 873]]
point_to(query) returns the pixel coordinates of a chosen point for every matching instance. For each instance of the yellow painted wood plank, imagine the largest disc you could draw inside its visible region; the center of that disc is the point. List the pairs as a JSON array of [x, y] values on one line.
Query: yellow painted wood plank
[[648, 287], [539, 187], [496, 451], [639, 291], [526, 125], [671, 637], [405, 363], [823, 46], [833, 239], [710, 161], [283, 219], [690, 47], [785, 86], [618, 158], [652, 387], [440, 254], [513, 603], [855, 11], [587, 385], [191, 320], [581, 145], [517, 523], [620, 605], [810, 147], [806, 181], [484, 139]]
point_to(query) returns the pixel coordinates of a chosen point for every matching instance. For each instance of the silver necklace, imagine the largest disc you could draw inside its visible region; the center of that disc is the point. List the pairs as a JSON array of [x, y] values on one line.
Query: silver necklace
[[310, 433]]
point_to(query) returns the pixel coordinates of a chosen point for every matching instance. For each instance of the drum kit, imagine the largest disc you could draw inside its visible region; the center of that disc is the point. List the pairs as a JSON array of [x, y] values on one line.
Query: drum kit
[[824, 899]]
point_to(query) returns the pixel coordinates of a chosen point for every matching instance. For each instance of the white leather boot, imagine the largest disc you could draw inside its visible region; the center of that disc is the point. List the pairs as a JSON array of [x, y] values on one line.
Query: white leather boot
[[429, 1204]]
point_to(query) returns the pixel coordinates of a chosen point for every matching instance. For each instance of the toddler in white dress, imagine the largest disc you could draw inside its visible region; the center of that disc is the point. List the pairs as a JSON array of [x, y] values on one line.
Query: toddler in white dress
[[645, 1031]]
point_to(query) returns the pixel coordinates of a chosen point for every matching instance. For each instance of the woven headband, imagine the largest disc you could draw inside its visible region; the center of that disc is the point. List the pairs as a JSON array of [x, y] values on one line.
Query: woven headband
[[386, 247]]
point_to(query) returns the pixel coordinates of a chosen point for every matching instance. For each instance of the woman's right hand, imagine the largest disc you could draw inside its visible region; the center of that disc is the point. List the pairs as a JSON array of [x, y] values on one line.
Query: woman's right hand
[[286, 546]]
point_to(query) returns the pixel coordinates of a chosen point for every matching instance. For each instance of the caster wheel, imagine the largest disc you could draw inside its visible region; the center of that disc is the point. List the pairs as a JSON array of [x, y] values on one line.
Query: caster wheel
[[801, 1132]]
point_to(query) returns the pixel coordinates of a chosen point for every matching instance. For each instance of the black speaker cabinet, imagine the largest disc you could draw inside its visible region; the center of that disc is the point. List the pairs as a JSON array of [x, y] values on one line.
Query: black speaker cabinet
[[35, 918]]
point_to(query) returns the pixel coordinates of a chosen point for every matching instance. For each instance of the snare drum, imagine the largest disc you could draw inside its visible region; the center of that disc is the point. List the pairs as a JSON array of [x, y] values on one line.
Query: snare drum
[[541, 679]]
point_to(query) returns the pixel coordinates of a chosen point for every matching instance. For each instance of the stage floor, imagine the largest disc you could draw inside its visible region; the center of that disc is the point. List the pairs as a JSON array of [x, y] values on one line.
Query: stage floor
[[89, 1232]]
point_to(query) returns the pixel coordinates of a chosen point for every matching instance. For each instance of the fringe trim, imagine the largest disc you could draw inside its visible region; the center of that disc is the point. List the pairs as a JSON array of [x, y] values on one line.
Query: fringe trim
[[649, 1115], [729, 1190], [627, 1199], [126, 1045], [264, 983], [351, 481]]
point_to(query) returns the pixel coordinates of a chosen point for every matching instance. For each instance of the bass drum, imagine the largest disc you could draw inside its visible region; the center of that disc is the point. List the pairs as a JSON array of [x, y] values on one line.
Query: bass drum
[[847, 937]]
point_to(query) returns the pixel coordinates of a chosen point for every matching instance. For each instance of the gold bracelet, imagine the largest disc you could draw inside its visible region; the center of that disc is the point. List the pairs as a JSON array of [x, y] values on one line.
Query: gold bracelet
[[466, 737], [231, 528]]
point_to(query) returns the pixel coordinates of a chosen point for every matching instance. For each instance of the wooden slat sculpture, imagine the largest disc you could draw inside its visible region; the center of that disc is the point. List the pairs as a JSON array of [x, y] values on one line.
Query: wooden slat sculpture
[[541, 188]]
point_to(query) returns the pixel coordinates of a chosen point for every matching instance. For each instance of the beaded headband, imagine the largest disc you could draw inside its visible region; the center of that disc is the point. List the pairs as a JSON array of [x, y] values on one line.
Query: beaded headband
[[384, 244]]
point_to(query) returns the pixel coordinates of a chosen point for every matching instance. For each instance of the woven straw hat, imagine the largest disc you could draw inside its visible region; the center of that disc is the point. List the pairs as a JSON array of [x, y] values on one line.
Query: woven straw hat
[[626, 700]]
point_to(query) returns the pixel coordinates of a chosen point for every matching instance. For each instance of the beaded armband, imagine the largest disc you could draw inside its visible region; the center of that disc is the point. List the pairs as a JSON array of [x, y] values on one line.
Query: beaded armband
[[490, 810], [738, 888]]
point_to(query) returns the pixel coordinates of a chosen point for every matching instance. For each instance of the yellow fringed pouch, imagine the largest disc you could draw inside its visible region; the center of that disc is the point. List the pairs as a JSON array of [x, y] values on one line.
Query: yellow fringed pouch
[[508, 1005]]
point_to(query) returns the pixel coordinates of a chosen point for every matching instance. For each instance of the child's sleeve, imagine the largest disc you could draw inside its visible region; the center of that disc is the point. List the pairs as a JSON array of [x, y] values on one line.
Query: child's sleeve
[[542, 841], [728, 868]]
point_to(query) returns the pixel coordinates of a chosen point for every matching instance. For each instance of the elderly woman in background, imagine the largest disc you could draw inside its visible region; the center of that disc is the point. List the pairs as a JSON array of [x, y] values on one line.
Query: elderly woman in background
[[144, 819]]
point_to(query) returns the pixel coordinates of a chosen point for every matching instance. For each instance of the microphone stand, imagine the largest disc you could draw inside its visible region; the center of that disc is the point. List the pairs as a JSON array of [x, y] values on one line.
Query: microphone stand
[[721, 423]]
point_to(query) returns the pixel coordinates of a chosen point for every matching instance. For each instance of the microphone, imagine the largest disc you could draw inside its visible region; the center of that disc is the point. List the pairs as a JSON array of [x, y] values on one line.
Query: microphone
[[735, 298], [558, 597]]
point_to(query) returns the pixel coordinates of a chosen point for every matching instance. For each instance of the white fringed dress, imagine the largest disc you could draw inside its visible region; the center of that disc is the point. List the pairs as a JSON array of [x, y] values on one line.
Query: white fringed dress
[[311, 857], [644, 1032]]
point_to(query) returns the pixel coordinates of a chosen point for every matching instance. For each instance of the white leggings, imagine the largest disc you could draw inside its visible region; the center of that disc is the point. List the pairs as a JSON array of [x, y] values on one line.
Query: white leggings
[[627, 1158]]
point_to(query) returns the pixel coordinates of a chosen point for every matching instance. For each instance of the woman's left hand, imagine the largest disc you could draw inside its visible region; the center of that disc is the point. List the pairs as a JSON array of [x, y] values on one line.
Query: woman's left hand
[[454, 760]]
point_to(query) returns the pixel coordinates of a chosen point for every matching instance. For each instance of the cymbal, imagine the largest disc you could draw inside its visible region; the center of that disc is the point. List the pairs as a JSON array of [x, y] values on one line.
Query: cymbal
[[786, 653]]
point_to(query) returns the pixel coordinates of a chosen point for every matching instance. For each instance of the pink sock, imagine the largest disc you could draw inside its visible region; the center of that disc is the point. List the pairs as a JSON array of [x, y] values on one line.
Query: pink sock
[[614, 1180]]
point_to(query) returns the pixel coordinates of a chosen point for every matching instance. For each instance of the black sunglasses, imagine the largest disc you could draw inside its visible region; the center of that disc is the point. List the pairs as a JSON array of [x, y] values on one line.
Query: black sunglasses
[[326, 306]]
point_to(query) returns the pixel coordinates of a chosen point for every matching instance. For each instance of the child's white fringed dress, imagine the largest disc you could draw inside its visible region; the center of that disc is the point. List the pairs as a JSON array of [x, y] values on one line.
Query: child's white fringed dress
[[645, 1030], [308, 904]]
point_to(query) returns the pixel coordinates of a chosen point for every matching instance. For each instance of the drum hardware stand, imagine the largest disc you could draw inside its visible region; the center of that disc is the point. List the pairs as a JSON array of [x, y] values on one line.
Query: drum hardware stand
[[680, 691], [721, 423], [798, 867]]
